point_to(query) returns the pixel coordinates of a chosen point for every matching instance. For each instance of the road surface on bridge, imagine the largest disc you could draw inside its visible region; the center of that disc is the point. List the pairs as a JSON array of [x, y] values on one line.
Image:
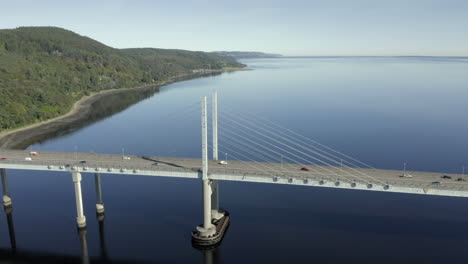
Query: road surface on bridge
[[286, 173]]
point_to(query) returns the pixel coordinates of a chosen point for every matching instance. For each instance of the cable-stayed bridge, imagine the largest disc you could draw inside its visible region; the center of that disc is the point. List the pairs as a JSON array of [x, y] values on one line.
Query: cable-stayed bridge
[[251, 149]]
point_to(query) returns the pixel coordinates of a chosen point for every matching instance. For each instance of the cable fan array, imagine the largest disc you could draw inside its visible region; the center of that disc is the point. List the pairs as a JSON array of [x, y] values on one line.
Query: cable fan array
[[260, 146]]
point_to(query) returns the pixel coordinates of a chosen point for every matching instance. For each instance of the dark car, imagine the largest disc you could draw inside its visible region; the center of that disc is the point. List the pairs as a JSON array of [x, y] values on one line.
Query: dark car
[[304, 169], [461, 179], [82, 161], [446, 177], [437, 182]]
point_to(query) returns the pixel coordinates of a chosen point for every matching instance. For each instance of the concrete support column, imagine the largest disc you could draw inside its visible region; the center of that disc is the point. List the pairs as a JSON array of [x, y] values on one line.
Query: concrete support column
[[99, 202], [80, 218], [208, 228], [6, 195], [216, 213]]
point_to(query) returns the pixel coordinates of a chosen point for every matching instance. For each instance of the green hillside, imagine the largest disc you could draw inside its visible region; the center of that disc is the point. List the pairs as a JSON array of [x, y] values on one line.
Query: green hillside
[[44, 70]]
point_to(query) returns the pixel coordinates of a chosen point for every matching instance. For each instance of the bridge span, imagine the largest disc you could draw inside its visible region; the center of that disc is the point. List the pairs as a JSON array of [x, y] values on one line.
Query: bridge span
[[302, 162], [244, 171]]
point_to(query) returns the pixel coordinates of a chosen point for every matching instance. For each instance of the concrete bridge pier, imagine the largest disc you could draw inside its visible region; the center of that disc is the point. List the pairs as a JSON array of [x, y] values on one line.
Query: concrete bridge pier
[[208, 228], [99, 202], [80, 219], [6, 195]]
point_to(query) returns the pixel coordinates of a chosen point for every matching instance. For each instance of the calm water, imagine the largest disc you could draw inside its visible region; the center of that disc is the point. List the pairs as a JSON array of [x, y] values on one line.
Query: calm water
[[383, 111]]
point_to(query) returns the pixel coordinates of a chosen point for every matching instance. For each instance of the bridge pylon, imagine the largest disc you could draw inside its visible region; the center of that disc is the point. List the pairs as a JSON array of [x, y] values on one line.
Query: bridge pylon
[[214, 222], [216, 212]]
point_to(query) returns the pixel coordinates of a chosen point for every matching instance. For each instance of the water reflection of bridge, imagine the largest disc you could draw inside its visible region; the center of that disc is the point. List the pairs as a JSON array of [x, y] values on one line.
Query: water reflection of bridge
[[16, 255]]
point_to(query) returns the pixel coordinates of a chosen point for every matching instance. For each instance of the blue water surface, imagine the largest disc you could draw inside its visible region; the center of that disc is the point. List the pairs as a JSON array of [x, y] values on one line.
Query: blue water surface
[[383, 111]]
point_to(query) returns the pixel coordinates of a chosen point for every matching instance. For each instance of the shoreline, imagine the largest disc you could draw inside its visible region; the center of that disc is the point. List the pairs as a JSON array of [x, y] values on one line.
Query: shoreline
[[80, 110]]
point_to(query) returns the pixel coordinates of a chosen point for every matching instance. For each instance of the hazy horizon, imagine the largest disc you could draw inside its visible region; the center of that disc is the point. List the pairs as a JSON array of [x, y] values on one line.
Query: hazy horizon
[[295, 28]]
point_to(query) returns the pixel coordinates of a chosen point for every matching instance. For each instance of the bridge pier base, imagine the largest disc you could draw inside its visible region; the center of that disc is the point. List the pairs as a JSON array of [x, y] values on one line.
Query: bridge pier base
[[99, 202], [80, 219], [212, 231], [6, 195]]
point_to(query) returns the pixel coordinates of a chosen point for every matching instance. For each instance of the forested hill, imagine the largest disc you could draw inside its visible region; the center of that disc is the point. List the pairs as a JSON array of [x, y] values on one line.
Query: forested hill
[[44, 70]]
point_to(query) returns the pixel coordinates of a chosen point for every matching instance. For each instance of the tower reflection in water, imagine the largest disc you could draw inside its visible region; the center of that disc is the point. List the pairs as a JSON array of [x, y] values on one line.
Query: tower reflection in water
[[102, 242], [11, 228], [211, 254], [39, 257]]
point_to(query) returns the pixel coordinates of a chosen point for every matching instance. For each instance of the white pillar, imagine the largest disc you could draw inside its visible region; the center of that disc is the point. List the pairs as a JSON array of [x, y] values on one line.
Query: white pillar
[[215, 125], [204, 139], [208, 228], [6, 195], [215, 213], [80, 219]]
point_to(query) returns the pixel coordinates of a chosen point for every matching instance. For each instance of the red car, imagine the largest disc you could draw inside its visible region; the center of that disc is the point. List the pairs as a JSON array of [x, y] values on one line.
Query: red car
[[3, 158], [304, 169]]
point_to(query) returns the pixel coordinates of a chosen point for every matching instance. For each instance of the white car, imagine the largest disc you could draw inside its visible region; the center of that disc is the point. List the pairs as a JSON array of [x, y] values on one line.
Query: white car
[[222, 162], [28, 158], [126, 157]]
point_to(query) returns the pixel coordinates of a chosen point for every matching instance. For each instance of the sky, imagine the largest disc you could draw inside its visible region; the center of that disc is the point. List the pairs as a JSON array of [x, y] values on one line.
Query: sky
[[288, 27]]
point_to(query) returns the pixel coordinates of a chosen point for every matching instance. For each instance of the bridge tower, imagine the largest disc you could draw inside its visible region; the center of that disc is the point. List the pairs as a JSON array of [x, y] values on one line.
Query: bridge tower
[[214, 222], [208, 229], [216, 213]]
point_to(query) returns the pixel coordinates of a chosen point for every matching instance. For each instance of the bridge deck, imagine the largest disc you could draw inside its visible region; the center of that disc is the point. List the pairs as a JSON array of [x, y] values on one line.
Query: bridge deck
[[323, 176]]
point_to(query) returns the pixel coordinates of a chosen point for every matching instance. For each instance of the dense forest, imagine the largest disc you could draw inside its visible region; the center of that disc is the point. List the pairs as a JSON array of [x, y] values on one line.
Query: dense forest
[[44, 70]]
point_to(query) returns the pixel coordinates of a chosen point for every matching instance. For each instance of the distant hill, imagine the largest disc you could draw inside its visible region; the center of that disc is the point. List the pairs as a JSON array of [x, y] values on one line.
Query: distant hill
[[247, 54], [44, 70]]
